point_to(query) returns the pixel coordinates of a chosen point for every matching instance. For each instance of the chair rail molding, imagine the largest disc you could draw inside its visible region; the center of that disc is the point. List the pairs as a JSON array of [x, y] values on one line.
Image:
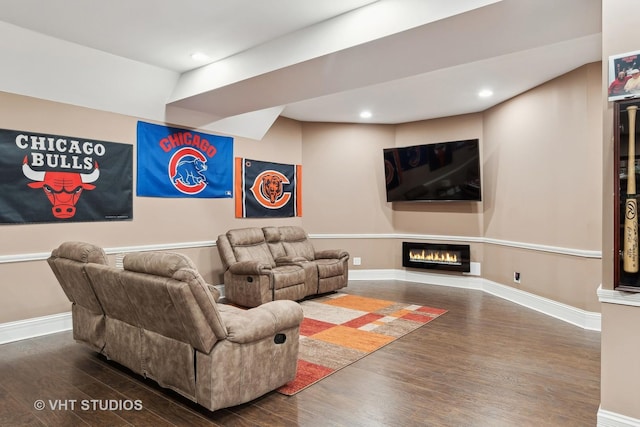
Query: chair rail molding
[[40, 256], [583, 253]]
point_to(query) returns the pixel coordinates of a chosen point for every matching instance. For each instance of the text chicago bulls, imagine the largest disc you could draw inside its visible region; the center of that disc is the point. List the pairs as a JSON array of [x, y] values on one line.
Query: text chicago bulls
[[63, 153]]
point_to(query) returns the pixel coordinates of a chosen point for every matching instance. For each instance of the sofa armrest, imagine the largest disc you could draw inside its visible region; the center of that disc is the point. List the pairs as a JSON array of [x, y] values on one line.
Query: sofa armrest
[[249, 267], [290, 260], [332, 254], [245, 326]]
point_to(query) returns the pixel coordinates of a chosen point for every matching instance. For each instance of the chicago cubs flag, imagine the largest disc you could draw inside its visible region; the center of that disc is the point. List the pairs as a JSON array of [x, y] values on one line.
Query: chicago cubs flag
[[176, 162], [265, 189], [55, 179]]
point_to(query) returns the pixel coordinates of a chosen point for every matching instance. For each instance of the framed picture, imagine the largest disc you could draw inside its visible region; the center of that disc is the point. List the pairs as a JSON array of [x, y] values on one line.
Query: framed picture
[[624, 76]]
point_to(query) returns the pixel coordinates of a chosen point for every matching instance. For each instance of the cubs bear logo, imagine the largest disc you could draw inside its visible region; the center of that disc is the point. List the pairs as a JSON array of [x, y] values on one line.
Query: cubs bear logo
[[186, 169], [268, 189]]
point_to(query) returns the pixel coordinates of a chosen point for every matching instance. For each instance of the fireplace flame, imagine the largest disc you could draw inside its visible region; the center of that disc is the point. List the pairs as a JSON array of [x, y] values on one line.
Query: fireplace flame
[[436, 257]]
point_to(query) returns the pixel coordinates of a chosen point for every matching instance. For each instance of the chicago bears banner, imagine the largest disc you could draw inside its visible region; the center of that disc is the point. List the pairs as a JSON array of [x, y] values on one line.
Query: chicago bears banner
[[53, 178], [265, 189], [176, 162]]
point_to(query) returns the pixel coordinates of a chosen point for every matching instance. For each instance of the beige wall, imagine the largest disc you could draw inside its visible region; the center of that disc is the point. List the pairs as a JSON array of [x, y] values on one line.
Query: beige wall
[[567, 279], [541, 163], [620, 368], [542, 186], [343, 178], [457, 219]]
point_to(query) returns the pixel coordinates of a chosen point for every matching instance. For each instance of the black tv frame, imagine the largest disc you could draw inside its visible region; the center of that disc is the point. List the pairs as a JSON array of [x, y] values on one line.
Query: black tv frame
[[448, 171]]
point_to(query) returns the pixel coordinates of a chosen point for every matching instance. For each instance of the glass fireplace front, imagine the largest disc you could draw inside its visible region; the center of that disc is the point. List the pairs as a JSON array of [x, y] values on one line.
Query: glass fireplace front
[[438, 256]]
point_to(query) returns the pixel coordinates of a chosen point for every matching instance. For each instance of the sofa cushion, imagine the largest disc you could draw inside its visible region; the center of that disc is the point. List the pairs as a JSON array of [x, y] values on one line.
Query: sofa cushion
[[67, 262], [163, 264], [81, 252], [249, 245], [330, 267], [111, 293], [296, 242], [272, 236], [245, 236], [288, 275], [170, 280]]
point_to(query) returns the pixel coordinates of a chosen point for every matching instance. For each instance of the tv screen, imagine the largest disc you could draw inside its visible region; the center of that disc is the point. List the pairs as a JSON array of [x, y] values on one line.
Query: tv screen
[[446, 171]]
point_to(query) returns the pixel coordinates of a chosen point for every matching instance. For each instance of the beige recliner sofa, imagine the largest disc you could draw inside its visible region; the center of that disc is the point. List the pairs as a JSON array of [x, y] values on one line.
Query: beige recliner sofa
[[162, 321], [276, 263]]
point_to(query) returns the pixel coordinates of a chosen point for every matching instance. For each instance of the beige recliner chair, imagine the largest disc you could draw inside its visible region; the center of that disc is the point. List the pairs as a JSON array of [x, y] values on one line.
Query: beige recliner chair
[[163, 322]]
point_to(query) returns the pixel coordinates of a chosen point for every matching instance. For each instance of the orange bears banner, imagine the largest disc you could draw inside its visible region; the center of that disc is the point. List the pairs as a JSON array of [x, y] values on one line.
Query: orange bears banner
[[266, 189]]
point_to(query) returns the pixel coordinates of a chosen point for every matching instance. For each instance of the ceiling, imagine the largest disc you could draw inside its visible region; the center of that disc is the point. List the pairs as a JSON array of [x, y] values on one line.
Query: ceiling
[[403, 60]]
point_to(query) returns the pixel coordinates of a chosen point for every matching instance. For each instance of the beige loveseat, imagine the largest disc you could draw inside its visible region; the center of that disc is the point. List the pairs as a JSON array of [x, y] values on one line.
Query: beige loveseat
[[160, 319], [277, 263]]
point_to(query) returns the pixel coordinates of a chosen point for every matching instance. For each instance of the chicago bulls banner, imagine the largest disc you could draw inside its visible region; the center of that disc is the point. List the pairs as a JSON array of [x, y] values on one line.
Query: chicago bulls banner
[[265, 189], [176, 162], [53, 178]]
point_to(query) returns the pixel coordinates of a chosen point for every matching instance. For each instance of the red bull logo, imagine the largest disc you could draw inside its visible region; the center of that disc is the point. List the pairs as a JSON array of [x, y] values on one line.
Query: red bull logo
[[63, 189]]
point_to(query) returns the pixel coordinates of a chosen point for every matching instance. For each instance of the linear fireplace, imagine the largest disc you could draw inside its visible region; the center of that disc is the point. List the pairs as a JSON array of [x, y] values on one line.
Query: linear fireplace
[[438, 256]]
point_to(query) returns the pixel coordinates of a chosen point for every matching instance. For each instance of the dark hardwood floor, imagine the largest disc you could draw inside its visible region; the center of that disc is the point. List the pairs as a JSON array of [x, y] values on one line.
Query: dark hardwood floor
[[487, 362]]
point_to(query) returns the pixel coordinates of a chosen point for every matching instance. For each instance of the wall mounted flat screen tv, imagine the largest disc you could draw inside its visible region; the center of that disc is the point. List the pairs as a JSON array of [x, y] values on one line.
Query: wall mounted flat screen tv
[[446, 171]]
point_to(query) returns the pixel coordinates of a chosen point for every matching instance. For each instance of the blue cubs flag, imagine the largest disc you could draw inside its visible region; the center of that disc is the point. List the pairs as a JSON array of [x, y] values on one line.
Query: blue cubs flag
[[48, 178], [175, 162], [267, 190]]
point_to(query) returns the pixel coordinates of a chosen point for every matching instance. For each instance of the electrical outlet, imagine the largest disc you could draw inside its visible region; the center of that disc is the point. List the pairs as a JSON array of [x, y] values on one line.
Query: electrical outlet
[[516, 277], [357, 260]]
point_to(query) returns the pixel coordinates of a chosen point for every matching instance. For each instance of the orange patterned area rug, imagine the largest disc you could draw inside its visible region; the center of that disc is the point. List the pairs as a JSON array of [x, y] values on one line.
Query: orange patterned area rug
[[339, 329]]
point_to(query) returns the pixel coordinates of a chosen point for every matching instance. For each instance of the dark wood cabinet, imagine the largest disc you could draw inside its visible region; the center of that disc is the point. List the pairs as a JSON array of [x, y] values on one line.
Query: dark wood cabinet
[[627, 170]]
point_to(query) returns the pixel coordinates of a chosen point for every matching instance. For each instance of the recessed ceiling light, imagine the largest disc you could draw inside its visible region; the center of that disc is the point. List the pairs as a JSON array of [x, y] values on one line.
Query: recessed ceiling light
[[365, 115], [199, 56], [485, 93]]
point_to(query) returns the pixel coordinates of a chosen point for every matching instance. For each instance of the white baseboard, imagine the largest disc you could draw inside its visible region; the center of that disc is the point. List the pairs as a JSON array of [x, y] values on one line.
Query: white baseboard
[[611, 419], [31, 328], [575, 316]]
